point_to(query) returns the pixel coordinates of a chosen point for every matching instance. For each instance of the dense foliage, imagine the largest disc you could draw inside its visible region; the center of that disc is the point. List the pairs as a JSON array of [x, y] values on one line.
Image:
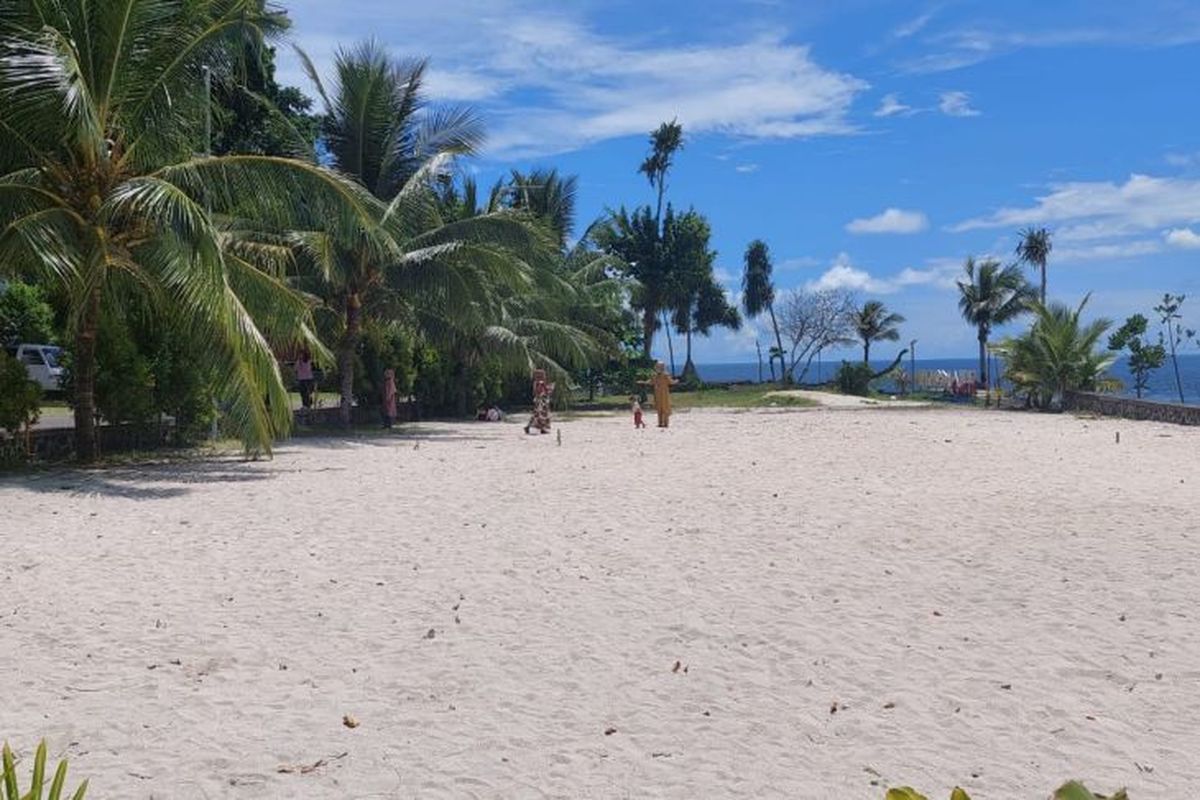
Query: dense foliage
[[1057, 354], [25, 316], [854, 377], [19, 396]]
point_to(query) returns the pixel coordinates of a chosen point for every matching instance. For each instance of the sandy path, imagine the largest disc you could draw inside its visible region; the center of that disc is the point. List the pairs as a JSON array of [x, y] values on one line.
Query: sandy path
[[997, 599]]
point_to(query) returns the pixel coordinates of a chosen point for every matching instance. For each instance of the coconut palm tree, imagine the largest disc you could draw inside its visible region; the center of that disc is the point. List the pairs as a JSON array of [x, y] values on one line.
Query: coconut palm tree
[[1034, 250], [874, 323], [758, 295], [991, 295], [1058, 354], [100, 190], [548, 196], [380, 130], [633, 238], [555, 317]]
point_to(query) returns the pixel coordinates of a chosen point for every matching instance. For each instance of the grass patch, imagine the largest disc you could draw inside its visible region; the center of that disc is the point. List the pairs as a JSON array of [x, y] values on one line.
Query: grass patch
[[739, 396]]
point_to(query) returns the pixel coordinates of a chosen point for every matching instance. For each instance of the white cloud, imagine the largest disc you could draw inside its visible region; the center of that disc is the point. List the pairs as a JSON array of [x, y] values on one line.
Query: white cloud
[[956, 104], [549, 82], [746, 168], [912, 26], [967, 46], [1114, 251], [842, 274], [726, 277], [1103, 209], [461, 85], [795, 264], [892, 220], [939, 273], [1185, 238], [890, 106], [1183, 160]]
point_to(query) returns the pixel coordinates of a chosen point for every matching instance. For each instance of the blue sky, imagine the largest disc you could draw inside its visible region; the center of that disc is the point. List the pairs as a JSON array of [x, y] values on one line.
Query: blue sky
[[873, 144]]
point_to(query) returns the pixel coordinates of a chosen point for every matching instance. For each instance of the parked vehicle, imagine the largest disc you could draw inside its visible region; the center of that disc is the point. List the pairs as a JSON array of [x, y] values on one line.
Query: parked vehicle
[[43, 362]]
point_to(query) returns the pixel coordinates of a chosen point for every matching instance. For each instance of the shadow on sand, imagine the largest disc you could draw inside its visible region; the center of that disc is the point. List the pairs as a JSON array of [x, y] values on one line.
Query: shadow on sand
[[159, 479]]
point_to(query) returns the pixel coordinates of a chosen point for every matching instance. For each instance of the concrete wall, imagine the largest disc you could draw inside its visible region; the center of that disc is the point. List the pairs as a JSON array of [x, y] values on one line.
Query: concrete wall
[[1129, 408]]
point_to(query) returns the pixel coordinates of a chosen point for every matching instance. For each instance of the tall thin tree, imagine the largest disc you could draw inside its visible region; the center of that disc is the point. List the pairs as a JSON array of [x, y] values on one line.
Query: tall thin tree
[[1034, 250], [665, 142], [758, 295]]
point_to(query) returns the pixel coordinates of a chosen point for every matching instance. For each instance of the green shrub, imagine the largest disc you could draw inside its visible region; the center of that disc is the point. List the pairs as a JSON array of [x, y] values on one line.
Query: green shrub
[[38, 781], [25, 316], [19, 396], [854, 378]]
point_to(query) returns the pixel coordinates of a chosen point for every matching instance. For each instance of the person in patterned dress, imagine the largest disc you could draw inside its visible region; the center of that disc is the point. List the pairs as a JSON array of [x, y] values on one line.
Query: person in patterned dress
[[542, 390]]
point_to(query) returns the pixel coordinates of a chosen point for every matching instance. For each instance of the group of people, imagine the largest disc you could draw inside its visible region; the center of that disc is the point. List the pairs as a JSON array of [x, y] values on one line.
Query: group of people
[[306, 382], [660, 384]]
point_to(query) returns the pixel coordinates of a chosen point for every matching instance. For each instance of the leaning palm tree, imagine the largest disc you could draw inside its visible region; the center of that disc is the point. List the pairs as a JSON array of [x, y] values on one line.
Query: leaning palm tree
[[103, 107], [380, 130], [991, 295], [874, 323], [1034, 250], [1060, 353], [758, 295]]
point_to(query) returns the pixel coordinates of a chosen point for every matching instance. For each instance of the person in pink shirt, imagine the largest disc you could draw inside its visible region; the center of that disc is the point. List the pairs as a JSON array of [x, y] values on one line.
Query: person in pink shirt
[[304, 377]]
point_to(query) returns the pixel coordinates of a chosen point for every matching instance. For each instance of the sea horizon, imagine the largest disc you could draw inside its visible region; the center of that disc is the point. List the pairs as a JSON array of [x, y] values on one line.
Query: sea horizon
[[1161, 386]]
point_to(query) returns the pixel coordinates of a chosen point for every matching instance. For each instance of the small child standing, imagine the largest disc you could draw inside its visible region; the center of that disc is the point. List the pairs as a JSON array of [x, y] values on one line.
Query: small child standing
[[637, 412]]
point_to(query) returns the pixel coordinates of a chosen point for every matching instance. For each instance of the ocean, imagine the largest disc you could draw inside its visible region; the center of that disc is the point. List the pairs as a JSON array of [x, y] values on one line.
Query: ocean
[[1161, 388]]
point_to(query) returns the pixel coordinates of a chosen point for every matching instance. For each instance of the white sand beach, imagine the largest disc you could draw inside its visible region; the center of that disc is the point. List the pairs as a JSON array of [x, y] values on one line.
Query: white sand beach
[[792, 604]]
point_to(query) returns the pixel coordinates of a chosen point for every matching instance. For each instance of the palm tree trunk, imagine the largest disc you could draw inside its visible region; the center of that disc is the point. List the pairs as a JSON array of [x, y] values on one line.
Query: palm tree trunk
[[983, 375], [670, 344], [689, 369], [778, 342], [346, 350], [85, 379], [648, 332], [1043, 283], [867, 352]]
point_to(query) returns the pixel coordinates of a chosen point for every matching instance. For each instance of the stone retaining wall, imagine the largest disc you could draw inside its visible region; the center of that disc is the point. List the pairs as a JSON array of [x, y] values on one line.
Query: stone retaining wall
[[58, 444], [1130, 408]]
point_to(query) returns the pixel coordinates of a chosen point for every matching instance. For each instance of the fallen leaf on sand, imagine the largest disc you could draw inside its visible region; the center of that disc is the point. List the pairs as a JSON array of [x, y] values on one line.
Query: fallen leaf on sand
[[431, 633], [676, 667], [609, 731], [349, 721], [304, 769]]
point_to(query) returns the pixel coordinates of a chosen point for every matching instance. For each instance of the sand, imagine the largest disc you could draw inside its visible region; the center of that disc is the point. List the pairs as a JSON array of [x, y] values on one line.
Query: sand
[[794, 604]]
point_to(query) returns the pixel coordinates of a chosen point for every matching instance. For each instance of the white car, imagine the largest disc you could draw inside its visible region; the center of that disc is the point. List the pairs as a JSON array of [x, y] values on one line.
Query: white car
[[43, 362]]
